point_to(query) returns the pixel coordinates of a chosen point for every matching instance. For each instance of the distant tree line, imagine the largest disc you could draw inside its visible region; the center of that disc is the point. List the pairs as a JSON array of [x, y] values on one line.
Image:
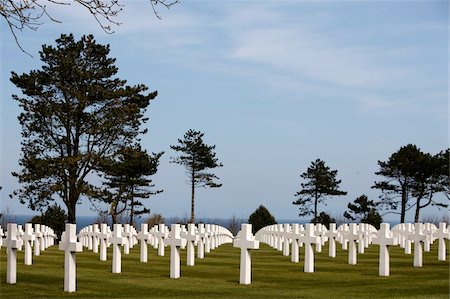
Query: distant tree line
[[412, 181]]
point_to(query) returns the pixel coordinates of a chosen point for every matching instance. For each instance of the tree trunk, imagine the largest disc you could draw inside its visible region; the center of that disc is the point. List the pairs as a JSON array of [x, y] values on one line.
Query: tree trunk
[[404, 201], [71, 211], [316, 199], [132, 206], [192, 199]]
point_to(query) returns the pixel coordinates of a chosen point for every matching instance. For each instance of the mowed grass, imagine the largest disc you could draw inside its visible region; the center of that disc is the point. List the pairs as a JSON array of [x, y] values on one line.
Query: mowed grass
[[217, 276]]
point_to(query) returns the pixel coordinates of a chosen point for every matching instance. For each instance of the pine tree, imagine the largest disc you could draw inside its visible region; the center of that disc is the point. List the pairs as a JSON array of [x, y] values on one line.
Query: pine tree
[[364, 210], [75, 114], [197, 158], [128, 182], [260, 218], [320, 183]]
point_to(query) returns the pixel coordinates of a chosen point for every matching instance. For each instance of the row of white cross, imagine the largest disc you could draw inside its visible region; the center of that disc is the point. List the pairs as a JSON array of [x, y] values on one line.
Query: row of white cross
[[40, 238], [283, 237], [207, 237]]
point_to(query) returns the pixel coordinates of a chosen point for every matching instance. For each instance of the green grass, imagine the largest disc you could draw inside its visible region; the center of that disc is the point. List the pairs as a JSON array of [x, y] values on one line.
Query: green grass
[[274, 276]]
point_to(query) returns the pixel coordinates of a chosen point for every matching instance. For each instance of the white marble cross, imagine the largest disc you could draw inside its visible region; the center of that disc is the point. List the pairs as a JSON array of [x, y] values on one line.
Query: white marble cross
[[103, 237], [175, 241], [95, 239], [70, 246], [246, 241], [332, 235], [286, 234], [28, 237], [161, 234], [308, 239], [318, 230], [37, 240], [202, 234], [441, 234], [351, 236], [384, 238], [143, 237], [117, 240], [207, 239], [294, 235], [191, 237], [12, 245], [417, 237], [127, 235]]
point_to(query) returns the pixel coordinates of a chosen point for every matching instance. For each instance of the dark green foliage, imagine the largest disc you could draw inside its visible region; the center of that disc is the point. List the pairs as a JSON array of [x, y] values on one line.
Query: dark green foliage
[[365, 211], [197, 158], [127, 181], [412, 179], [54, 217], [75, 114], [260, 218], [320, 183], [324, 219]]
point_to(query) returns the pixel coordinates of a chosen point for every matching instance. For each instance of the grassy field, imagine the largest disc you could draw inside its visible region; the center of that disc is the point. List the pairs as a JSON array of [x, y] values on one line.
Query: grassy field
[[217, 276]]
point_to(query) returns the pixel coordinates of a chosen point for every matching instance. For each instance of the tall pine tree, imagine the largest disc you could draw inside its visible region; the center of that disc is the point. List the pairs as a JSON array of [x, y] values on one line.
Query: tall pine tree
[[75, 114], [197, 158], [320, 183]]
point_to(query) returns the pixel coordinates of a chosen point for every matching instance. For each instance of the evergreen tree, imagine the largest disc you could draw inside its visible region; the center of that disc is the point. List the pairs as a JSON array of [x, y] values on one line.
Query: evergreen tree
[[364, 210], [75, 114], [320, 183], [431, 176], [197, 158], [54, 217], [260, 218], [128, 181], [324, 219], [412, 179]]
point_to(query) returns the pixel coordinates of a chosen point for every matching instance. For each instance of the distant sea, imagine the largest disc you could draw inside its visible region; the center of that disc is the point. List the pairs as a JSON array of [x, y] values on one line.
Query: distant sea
[[83, 221]]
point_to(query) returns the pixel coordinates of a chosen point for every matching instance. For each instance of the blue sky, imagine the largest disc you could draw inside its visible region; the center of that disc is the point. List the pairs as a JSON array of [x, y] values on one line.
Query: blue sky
[[273, 84]]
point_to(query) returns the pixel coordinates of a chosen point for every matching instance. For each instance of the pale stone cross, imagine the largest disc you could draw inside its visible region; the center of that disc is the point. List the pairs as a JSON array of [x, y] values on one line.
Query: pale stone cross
[[294, 235], [318, 230], [28, 237], [286, 234], [428, 231], [407, 230], [208, 238], [12, 245], [37, 240], [351, 236], [90, 237], [70, 246], [117, 240], [143, 236], [191, 237], [417, 237], [332, 235], [384, 238], [441, 234], [127, 235], [201, 241], [246, 241], [1, 236], [103, 237], [308, 239], [161, 234], [280, 237], [175, 241], [95, 239]]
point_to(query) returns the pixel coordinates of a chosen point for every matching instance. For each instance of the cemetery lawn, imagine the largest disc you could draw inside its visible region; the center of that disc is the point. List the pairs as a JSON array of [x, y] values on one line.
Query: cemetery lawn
[[217, 276]]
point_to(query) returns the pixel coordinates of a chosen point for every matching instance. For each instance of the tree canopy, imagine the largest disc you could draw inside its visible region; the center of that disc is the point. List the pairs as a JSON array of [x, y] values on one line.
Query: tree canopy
[[364, 210], [260, 218], [75, 115], [54, 217], [412, 178], [197, 158], [127, 181], [320, 183]]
